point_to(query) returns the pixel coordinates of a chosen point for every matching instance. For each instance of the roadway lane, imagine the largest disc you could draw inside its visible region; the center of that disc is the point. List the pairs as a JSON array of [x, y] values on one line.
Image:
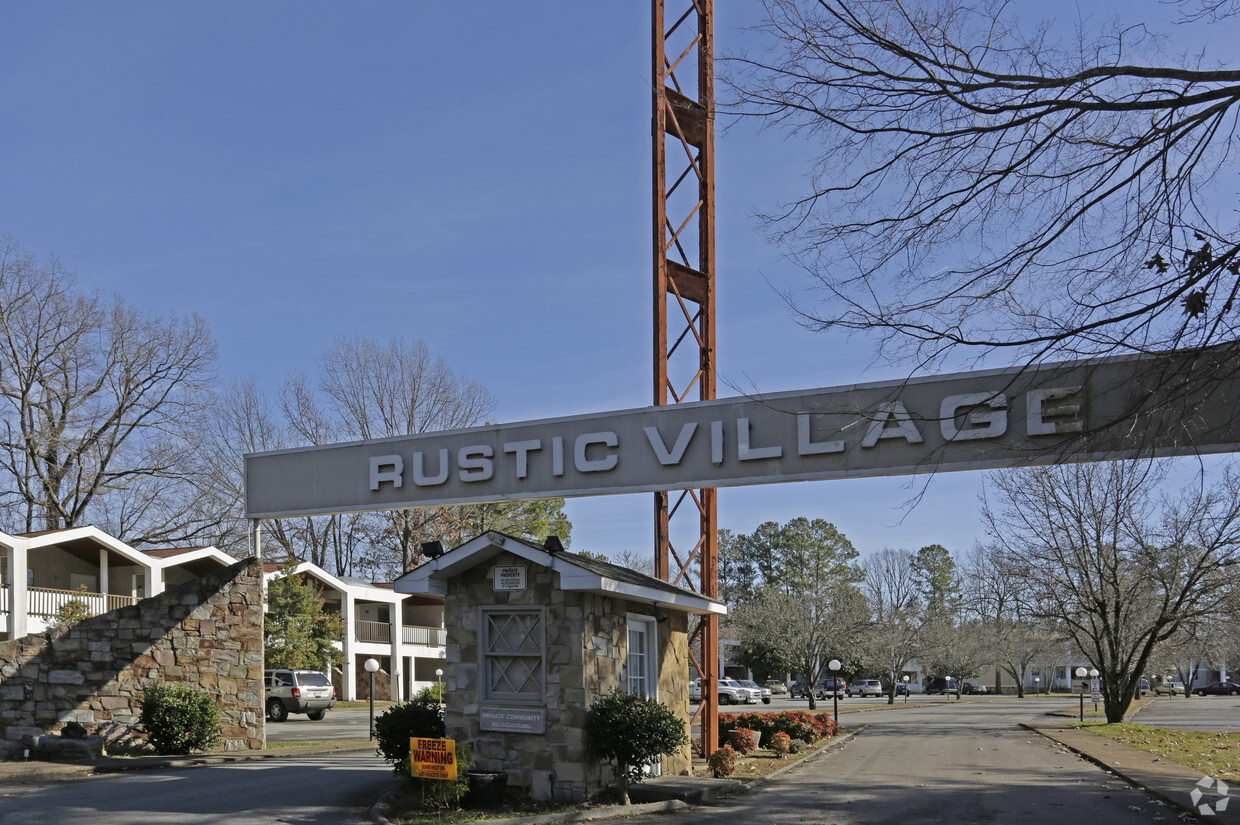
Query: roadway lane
[[1207, 713], [961, 763], [328, 789], [337, 724]]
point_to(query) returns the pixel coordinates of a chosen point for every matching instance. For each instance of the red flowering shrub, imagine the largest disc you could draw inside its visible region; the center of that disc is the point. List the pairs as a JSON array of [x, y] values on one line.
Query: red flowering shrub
[[798, 724], [780, 744], [742, 740], [722, 762]]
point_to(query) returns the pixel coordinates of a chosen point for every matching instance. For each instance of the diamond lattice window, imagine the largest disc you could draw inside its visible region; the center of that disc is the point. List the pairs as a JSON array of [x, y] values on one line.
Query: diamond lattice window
[[514, 654]]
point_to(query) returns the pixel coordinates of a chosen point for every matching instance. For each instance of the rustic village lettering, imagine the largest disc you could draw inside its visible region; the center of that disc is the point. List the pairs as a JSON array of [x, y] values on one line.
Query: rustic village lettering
[[964, 417]]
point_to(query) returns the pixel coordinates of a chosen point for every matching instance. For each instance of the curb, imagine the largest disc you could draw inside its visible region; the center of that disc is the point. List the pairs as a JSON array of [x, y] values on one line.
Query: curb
[[1173, 799]]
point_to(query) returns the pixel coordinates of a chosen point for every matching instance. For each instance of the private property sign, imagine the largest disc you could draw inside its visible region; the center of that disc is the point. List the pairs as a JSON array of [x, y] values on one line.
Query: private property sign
[[1173, 404]]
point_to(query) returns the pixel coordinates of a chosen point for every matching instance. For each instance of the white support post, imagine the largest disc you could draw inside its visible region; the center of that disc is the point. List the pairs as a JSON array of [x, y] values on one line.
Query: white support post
[[19, 596], [397, 633], [348, 670], [103, 574], [256, 538]]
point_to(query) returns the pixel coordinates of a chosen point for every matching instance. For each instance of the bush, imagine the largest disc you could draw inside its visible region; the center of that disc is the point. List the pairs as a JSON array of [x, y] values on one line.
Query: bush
[[178, 718], [722, 762], [781, 744], [632, 731], [439, 794], [423, 718], [742, 741], [797, 745], [432, 693]]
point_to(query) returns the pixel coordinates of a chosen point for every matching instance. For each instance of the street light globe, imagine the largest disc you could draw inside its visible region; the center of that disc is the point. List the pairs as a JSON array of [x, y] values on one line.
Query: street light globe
[[1093, 672], [906, 677], [834, 664], [1080, 672], [371, 665], [439, 671]]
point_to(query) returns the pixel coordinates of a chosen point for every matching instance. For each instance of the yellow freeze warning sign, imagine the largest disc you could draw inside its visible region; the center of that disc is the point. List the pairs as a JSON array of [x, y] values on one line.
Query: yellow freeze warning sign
[[432, 758]]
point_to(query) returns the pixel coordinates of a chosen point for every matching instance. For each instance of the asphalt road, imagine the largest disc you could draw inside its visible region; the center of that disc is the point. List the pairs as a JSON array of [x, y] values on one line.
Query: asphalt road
[[337, 724], [331, 789], [951, 763]]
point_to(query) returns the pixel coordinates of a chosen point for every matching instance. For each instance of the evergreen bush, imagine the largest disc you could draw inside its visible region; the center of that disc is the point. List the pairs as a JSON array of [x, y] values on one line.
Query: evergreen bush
[[178, 718], [423, 718], [632, 731]]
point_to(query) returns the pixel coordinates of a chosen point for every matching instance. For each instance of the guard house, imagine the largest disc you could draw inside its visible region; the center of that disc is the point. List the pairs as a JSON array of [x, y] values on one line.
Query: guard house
[[534, 636]]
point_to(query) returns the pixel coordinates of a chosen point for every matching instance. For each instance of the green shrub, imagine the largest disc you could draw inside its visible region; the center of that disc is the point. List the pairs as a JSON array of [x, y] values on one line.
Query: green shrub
[[722, 762], [742, 741], [439, 794], [423, 718], [632, 731], [432, 693], [780, 744], [178, 718]]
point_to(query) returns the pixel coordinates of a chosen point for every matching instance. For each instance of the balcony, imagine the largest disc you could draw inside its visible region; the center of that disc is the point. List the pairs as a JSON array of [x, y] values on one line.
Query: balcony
[[46, 602], [381, 633]]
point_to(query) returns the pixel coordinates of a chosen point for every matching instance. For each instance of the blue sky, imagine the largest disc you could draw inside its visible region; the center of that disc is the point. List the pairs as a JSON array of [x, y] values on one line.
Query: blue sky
[[478, 178]]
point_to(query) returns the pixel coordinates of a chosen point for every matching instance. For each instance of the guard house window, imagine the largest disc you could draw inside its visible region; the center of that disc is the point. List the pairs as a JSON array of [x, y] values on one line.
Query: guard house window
[[639, 664], [514, 654]]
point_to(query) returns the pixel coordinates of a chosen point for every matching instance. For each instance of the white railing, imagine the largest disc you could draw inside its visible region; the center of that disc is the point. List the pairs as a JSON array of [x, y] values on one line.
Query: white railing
[[45, 601], [381, 633], [375, 632], [428, 636]]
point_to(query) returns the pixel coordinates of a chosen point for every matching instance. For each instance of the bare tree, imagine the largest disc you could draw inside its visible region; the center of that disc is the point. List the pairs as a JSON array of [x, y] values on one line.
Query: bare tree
[[99, 408], [802, 632], [982, 185], [1119, 574], [892, 588]]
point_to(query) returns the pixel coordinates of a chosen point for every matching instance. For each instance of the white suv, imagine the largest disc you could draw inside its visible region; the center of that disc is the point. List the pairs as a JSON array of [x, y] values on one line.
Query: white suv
[[732, 692], [865, 687], [298, 691]]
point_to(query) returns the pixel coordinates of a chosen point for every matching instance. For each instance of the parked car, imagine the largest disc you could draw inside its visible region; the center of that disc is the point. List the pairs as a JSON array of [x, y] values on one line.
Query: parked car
[[1144, 687], [776, 687], [764, 693], [831, 686], [942, 686], [732, 692], [298, 691], [1218, 689], [974, 688], [797, 690], [695, 690], [865, 687], [902, 688], [1171, 687]]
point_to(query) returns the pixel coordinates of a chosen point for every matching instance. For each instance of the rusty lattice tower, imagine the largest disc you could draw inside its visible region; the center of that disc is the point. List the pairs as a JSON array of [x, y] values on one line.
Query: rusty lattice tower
[[686, 543]]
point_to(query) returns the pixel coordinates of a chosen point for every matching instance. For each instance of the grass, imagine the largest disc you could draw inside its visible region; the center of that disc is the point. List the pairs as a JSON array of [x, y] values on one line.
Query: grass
[[1214, 754]]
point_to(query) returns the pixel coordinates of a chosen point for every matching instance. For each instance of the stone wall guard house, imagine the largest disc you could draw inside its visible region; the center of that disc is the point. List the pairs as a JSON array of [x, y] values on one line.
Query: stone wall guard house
[[534, 637]]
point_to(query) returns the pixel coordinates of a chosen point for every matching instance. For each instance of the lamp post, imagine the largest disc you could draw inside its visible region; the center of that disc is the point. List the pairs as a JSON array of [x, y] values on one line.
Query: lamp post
[[906, 688], [439, 684], [834, 666], [1093, 682], [1037, 687], [1080, 674], [371, 666]]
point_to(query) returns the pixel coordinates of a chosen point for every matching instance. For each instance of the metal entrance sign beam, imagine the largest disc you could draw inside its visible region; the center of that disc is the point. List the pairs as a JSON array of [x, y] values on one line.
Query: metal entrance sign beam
[[1175, 404]]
